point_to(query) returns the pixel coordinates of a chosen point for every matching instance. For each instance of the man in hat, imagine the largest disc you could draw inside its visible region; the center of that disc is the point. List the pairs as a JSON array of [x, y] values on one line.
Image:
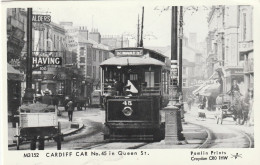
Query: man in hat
[[70, 109]]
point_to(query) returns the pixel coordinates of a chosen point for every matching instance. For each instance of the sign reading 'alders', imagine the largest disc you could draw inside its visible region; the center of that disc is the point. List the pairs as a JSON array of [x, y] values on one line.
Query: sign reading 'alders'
[[41, 18]]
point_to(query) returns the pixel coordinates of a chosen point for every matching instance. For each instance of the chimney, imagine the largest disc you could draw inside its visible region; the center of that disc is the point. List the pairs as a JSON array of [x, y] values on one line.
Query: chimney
[[95, 35], [83, 31]]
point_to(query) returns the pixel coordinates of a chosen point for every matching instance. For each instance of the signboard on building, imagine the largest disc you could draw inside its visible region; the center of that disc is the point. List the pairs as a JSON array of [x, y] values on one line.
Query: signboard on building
[[38, 26], [41, 18], [15, 63], [47, 60], [71, 38]]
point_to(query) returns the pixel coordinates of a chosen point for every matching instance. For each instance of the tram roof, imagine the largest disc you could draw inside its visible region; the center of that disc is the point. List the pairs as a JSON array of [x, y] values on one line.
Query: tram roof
[[125, 61]]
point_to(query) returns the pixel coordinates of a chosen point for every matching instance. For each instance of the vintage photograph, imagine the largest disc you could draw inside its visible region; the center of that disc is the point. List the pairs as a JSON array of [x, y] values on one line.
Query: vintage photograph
[[130, 77]]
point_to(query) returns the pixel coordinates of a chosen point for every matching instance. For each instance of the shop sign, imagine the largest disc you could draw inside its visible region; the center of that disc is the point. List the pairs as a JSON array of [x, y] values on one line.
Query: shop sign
[[47, 60], [41, 18], [38, 27], [238, 71], [15, 62]]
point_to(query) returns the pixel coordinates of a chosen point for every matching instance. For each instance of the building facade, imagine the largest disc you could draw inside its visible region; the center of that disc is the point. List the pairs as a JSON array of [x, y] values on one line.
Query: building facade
[[115, 41], [230, 44], [91, 52], [245, 44], [16, 32]]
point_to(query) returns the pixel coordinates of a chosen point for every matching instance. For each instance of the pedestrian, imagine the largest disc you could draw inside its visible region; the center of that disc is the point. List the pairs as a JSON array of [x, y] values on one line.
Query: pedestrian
[[237, 104], [251, 107], [70, 109], [204, 101], [65, 103], [47, 99], [189, 102]]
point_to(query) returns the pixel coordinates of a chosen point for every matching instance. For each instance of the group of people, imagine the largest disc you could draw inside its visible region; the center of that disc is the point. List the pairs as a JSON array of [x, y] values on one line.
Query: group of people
[[117, 88]]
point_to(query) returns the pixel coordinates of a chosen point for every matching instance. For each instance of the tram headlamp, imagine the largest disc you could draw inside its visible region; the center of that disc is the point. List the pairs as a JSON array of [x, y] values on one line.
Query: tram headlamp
[[127, 111], [118, 67]]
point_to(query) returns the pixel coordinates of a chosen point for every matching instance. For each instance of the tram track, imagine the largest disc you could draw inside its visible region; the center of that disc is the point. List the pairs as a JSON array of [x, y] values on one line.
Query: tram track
[[213, 140], [249, 137]]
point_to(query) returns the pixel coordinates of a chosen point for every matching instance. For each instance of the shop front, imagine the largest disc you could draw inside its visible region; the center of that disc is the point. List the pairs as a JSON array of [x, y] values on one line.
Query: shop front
[[14, 79]]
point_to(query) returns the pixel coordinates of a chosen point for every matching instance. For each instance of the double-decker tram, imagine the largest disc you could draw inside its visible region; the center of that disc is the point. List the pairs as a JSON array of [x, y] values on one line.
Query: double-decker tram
[[134, 89]]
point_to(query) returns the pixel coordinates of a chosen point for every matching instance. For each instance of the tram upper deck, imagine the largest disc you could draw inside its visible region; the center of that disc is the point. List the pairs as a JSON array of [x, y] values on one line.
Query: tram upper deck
[[135, 71]]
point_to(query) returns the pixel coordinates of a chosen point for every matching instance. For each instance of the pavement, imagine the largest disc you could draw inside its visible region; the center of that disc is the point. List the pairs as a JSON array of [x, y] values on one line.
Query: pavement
[[66, 127], [193, 113]]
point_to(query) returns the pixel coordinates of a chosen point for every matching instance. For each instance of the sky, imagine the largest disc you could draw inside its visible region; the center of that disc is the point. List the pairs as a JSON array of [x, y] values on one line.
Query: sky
[[122, 20]]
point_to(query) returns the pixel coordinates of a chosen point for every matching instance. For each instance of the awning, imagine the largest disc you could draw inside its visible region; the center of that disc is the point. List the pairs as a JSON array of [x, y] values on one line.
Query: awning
[[125, 61], [13, 74], [214, 77], [210, 90]]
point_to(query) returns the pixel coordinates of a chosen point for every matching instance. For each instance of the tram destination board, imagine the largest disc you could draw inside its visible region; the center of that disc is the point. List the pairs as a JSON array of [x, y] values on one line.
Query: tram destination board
[[129, 52]]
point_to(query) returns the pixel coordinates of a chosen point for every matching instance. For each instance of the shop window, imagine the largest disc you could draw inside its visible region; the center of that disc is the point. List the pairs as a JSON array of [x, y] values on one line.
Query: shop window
[[184, 82], [244, 26], [81, 51], [100, 56], [82, 59], [94, 72], [241, 56], [89, 71]]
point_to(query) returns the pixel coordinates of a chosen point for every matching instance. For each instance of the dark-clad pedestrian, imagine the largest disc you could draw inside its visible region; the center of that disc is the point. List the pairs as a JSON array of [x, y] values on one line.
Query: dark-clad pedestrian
[[47, 99], [70, 109]]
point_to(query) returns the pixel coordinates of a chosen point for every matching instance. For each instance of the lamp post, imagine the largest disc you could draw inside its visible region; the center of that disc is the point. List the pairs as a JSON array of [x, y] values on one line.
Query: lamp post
[[28, 96], [173, 126]]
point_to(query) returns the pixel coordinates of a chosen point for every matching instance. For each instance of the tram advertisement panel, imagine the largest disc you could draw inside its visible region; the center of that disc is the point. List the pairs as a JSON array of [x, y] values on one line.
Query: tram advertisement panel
[[128, 110]]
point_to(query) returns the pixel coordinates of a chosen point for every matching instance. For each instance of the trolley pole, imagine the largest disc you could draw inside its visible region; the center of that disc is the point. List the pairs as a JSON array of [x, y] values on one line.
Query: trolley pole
[[173, 125], [142, 28], [138, 35], [28, 96]]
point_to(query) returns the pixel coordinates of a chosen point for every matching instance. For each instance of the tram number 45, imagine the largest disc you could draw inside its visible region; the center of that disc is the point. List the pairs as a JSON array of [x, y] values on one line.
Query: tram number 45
[[127, 103]]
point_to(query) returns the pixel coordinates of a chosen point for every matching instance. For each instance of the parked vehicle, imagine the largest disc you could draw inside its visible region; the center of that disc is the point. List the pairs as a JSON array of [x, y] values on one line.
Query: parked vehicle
[[226, 107], [38, 122], [95, 99]]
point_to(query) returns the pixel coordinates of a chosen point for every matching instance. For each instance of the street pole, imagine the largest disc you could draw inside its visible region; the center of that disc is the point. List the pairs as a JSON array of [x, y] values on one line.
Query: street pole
[[138, 30], [180, 47], [122, 41], [28, 96], [174, 57], [142, 27], [173, 123]]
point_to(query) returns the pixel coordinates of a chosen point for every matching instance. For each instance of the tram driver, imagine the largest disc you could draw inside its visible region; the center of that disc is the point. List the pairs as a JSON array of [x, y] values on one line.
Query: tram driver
[[130, 89]]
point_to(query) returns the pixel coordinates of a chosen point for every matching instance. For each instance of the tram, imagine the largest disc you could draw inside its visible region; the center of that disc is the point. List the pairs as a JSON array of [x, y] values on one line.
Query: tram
[[134, 89]]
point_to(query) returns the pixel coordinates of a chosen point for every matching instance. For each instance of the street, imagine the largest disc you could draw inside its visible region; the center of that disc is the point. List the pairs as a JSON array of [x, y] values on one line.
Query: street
[[199, 133]]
